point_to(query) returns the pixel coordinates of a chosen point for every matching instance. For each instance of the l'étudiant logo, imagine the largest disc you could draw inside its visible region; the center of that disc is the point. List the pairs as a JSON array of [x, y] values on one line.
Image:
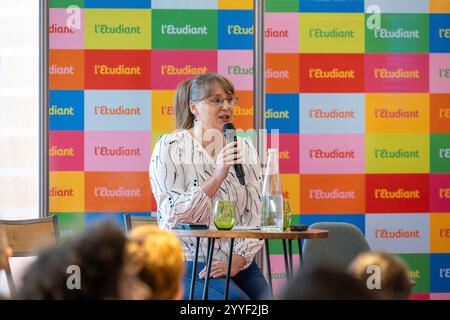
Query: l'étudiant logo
[[332, 113], [397, 113], [336, 153], [406, 233], [66, 150], [397, 153], [66, 109], [170, 67], [117, 192], [282, 113], [337, 33], [117, 151], [440, 192], [332, 193], [235, 29], [174, 29], [282, 73], [440, 113], [117, 29], [397, 193], [66, 69], [399, 33], [288, 146], [281, 32], [121, 110], [440, 153], [440, 33], [117, 69], [331, 73], [397, 73], [237, 65], [66, 29], [66, 191]]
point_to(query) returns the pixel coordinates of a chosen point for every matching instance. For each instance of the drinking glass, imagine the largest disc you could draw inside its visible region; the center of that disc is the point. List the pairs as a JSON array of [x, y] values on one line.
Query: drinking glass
[[224, 214], [286, 214]]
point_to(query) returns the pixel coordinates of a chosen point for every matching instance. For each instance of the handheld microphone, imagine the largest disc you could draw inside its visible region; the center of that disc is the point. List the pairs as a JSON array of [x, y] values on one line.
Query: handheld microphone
[[230, 135]]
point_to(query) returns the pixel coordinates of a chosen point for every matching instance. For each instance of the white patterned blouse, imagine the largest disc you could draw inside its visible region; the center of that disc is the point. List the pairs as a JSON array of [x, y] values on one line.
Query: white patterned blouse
[[179, 166]]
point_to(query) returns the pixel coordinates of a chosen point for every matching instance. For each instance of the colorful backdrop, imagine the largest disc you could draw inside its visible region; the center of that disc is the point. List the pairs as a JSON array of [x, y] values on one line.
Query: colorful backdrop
[[363, 113]]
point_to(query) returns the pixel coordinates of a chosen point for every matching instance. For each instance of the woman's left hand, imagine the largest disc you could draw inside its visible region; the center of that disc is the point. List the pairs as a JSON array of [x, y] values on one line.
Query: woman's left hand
[[219, 268]]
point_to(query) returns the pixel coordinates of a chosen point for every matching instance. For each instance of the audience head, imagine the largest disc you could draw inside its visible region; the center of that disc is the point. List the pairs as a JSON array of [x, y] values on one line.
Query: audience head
[[394, 274], [159, 260], [326, 284], [104, 272], [5, 250]]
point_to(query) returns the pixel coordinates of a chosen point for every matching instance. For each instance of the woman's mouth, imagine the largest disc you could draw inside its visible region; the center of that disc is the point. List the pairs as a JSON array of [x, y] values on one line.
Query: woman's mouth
[[225, 118]]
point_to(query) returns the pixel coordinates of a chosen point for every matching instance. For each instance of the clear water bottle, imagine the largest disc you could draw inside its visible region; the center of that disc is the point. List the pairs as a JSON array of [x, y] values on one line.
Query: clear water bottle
[[272, 195]]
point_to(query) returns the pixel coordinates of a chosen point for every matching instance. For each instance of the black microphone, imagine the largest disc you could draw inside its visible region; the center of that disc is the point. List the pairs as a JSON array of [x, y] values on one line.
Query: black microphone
[[230, 135]]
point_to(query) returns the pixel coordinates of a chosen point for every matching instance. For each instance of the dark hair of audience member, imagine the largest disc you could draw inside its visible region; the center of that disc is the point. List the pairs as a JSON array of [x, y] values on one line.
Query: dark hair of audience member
[[100, 255], [326, 284]]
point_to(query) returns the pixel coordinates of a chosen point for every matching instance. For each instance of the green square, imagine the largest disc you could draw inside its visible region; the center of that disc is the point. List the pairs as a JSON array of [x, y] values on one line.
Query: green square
[[419, 266], [181, 29], [408, 33], [70, 224], [440, 153], [66, 3], [276, 246], [282, 6]]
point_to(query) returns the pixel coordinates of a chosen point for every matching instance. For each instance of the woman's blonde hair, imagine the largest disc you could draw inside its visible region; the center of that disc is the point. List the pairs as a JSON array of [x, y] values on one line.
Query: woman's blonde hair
[[196, 89], [394, 281], [159, 260]]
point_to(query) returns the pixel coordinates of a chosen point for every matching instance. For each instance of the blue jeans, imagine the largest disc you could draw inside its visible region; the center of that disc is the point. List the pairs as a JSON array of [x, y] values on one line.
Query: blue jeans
[[247, 284]]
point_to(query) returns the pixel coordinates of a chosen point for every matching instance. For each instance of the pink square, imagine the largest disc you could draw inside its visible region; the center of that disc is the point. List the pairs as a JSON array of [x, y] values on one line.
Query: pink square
[[281, 32], [237, 65], [440, 73], [278, 272], [438, 182], [440, 296], [66, 150], [288, 146], [62, 36]]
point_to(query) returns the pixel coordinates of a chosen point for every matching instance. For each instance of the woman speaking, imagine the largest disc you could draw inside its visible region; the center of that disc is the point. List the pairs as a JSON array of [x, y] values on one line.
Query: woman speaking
[[192, 167]]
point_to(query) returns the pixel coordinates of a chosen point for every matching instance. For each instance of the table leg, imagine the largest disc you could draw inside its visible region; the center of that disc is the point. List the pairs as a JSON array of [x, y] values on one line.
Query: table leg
[[230, 257], [269, 272], [286, 262], [300, 252], [194, 269], [291, 264], [208, 266]]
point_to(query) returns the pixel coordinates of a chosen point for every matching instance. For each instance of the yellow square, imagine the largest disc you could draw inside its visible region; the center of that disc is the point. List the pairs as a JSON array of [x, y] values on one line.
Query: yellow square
[[290, 184], [236, 4], [66, 191]]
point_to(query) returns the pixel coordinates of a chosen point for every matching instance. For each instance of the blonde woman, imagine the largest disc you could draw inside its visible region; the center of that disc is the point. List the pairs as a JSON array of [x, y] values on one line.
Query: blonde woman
[[158, 260], [190, 168]]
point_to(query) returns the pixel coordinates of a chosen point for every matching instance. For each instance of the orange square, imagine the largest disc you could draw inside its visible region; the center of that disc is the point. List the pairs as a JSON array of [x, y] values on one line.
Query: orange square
[[439, 6], [243, 111], [66, 69], [282, 73], [332, 193], [440, 232], [439, 113]]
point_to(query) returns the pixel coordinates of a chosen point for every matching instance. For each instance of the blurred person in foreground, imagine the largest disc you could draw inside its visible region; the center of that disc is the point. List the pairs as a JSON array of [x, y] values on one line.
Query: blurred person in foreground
[[104, 270], [5, 250], [325, 283], [393, 283], [158, 259]]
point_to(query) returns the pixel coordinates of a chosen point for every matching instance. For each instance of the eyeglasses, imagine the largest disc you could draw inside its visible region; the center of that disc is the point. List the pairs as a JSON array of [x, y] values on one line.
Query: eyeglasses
[[218, 101]]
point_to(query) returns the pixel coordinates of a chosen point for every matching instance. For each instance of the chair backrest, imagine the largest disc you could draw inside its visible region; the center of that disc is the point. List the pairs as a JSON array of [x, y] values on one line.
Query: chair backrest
[[132, 222], [345, 241], [28, 237]]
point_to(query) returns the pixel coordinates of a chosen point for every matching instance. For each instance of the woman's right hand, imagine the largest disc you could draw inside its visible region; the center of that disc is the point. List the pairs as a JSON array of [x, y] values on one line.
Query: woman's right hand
[[229, 156]]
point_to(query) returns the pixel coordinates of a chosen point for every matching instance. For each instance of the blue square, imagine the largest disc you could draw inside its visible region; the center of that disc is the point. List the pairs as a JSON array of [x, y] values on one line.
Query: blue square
[[356, 219], [331, 5], [235, 29], [440, 33], [440, 272], [282, 113], [66, 110]]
